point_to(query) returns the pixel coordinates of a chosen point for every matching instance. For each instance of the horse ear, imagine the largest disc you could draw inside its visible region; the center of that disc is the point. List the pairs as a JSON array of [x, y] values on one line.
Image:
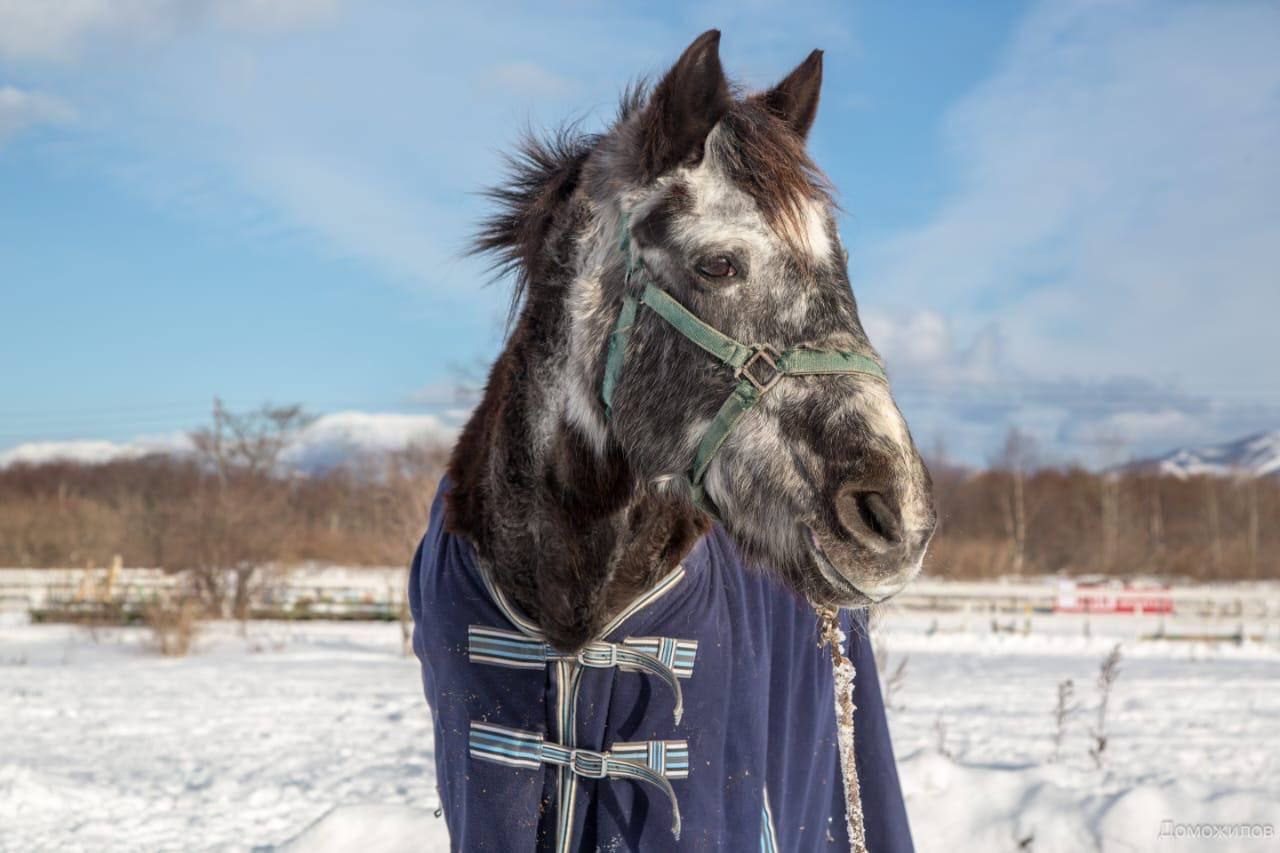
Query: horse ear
[[686, 104], [795, 99]]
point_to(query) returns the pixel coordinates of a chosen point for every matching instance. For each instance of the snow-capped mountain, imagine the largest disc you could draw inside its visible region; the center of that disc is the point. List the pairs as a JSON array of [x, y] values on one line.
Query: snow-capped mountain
[[93, 451], [1257, 456], [333, 439], [328, 441]]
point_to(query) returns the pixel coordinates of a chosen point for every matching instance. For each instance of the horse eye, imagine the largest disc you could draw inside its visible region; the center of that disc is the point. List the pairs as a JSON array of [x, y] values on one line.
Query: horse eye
[[718, 266]]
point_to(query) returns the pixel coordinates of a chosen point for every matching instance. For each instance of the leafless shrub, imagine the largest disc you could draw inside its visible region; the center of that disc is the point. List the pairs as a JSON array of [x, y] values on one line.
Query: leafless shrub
[[940, 733], [174, 625], [1108, 672], [405, 616], [893, 677], [894, 683], [1062, 714]]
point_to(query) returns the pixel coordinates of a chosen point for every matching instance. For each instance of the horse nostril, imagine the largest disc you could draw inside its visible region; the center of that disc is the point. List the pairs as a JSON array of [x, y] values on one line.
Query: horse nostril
[[862, 513]]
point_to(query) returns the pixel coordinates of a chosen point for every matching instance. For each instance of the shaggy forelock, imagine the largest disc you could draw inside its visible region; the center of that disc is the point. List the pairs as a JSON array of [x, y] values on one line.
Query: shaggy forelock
[[768, 161], [759, 153]]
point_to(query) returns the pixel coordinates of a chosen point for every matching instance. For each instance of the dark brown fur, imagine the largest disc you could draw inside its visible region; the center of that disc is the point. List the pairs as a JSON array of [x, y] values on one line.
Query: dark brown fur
[[556, 574]]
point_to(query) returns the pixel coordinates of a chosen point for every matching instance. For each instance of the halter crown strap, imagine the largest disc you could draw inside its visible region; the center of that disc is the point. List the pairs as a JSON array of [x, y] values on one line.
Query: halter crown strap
[[757, 367]]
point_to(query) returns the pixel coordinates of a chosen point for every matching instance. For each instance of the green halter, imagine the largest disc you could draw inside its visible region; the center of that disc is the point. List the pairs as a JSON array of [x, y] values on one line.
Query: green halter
[[757, 367]]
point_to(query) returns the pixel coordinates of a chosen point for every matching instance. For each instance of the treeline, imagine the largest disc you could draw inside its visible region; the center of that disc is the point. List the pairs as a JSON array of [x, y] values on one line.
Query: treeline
[[231, 509], [1008, 521], [225, 513], [153, 511]]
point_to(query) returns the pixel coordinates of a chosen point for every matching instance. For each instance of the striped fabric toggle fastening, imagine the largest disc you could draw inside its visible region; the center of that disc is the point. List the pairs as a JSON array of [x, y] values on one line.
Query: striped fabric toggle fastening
[[666, 658], [653, 761]]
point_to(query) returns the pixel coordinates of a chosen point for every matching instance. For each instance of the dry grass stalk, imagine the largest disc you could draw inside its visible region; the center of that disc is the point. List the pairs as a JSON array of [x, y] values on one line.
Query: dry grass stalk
[[174, 625]]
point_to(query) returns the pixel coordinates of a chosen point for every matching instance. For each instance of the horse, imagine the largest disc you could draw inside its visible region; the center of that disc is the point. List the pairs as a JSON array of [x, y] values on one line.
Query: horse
[[686, 445]]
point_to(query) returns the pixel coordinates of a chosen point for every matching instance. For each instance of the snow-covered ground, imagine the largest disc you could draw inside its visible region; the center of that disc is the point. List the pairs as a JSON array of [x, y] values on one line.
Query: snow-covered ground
[[315, 735], [1193, 734], [106, 746]]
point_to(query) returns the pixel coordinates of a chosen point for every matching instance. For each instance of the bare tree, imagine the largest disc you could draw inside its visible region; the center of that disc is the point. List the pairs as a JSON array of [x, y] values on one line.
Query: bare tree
[[1214, 514], [1016, 458], [1113, 448], [1110, 506], [239, 521], [1253, 524], [250, 443], [1157, 527]]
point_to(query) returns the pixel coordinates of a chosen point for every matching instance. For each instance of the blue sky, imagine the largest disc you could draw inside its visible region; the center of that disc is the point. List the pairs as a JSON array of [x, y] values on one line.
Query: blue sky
[[1063, 216]]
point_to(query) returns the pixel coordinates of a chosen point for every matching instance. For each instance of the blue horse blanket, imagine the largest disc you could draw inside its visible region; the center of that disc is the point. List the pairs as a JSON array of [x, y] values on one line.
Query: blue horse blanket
[[537, 750]]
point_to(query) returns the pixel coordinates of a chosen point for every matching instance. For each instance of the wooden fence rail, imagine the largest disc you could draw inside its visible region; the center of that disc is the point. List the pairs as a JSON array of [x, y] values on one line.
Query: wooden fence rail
[[342, 591]]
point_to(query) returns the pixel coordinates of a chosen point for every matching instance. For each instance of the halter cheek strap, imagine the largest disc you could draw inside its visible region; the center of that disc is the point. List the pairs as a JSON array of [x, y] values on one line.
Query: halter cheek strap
[[757, 367]]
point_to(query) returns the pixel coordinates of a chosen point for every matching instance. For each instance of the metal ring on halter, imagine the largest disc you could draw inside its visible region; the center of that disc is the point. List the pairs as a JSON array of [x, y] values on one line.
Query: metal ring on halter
[[769, 356]]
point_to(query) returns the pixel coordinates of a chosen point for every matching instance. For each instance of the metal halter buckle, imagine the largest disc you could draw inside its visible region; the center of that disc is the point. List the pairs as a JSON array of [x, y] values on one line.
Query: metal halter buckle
[[769, 356], [585, 768]]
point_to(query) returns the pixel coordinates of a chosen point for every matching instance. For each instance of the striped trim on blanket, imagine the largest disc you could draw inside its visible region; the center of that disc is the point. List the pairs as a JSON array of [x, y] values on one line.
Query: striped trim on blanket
[[653, 761], [768, 835], [566, 676], [664, 657]]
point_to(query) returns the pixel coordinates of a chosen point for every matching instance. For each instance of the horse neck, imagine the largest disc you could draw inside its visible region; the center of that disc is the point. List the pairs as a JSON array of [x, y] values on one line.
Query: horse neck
[[560, 521]]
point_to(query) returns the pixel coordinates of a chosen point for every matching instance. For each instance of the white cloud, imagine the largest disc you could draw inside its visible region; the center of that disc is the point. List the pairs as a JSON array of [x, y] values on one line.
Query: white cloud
[[93, 451], [1117, 432], [330, 440], [345, 436], [1114, 214], [20, 109], [370, 137], [529, 79], [963, 392], [272, 15], [61, 30], [30, 29], [361, 214], [921, 346], [1117, 177]]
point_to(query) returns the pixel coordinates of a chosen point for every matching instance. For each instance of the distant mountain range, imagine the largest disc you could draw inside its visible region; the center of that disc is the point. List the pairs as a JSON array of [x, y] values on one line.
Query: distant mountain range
[[1257, 456], [327, 442], [333, 439]]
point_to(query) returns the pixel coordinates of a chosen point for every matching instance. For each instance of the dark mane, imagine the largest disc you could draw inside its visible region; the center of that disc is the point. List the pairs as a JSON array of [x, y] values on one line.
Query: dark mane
[[542, 175]]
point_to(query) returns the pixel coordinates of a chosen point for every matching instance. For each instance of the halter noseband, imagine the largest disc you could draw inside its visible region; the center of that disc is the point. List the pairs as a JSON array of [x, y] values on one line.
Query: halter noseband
[[757, 367]]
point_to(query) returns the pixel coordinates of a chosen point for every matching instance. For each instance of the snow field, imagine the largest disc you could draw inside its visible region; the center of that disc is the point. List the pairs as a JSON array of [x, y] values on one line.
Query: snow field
[[314, 736]]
